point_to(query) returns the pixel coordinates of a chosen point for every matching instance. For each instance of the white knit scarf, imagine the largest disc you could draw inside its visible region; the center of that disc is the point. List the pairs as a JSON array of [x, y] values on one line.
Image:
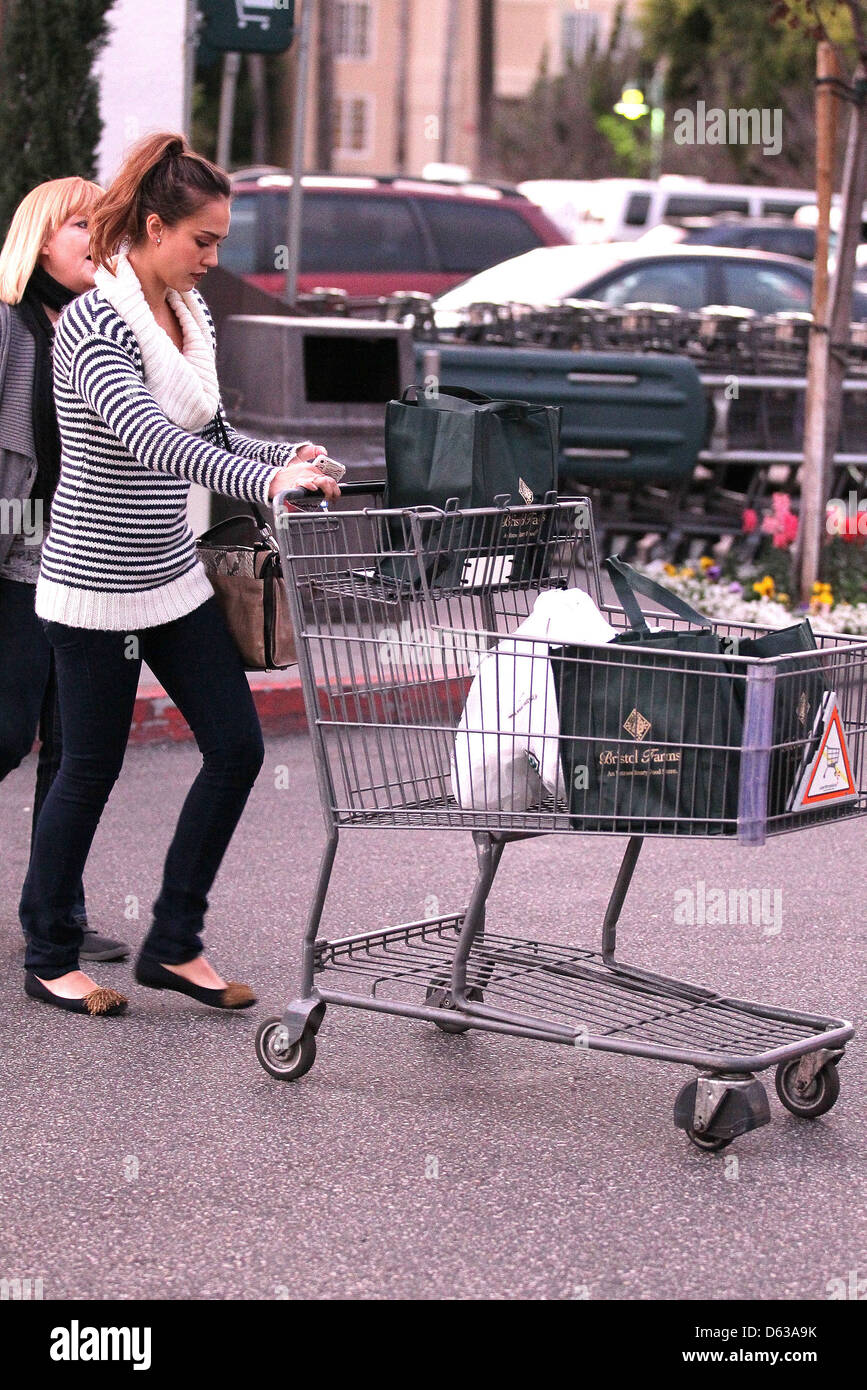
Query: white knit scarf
[[184, 384]]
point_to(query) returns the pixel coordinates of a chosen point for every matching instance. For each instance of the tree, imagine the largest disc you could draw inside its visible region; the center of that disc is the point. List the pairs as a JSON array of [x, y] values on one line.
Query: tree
[[566, 127], [49, 99], [732, 54]]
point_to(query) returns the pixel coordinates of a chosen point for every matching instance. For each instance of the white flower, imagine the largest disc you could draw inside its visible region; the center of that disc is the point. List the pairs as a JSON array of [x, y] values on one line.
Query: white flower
[[715, 600]]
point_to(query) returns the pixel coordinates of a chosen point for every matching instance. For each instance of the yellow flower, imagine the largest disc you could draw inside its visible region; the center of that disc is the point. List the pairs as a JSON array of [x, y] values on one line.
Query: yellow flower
[[705, 562], [687, 574], [670, 569], [783, 598], [765, 587]]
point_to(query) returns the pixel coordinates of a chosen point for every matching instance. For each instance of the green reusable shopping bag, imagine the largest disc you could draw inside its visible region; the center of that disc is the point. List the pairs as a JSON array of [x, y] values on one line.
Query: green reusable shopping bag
[[464, 446], [798, 699], [650, 740]]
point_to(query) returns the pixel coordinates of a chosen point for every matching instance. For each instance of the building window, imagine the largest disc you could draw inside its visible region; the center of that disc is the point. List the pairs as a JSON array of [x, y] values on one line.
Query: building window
[[580, 35], [353, 29], [352, 125]]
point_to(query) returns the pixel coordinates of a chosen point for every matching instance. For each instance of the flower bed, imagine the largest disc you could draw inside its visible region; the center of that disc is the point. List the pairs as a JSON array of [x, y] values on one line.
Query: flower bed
[[758, 590]]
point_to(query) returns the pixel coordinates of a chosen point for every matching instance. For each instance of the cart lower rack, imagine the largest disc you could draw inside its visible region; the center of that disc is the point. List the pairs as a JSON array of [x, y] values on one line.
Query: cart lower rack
[[397, 613]]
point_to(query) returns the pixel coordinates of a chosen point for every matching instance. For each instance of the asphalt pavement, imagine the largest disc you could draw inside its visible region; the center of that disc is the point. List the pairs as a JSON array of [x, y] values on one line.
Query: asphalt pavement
[[151, 1156]]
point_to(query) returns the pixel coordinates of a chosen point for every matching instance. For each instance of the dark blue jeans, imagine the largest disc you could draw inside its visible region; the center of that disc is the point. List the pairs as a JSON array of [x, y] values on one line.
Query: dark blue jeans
[[198, 664], [28, 698]]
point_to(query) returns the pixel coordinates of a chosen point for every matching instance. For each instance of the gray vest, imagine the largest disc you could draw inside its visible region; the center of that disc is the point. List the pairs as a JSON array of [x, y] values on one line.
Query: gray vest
[[17, 452]]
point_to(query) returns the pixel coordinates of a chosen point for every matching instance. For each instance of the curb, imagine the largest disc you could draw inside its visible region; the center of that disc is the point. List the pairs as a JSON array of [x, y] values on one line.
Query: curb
[[157, 719], [280, 706]]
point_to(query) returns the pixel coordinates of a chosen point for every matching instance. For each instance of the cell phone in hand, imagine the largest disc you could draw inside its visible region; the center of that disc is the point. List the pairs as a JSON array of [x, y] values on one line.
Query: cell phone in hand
[[330, 467]]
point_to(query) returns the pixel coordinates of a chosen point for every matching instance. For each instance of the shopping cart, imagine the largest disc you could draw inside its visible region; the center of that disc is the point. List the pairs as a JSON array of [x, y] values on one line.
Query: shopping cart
[[395, 610]]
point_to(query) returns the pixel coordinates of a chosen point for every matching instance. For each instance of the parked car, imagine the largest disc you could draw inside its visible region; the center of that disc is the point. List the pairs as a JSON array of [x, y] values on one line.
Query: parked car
[[777, 235], [623, 209], [373, 235], [689, 277]]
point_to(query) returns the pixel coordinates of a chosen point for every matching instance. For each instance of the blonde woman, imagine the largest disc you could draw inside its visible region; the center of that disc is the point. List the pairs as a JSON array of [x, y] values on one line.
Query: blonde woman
[[44, 264], [139, 410]]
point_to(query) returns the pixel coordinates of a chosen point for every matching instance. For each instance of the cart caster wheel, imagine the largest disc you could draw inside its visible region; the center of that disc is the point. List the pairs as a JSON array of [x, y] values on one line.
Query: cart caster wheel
[[282, 1060], [438, 997], [813, 1100], [708, 1143], [714, 1109]]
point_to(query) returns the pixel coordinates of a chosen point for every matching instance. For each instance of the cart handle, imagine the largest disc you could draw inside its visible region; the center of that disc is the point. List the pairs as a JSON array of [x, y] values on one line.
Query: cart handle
[[292, 495]]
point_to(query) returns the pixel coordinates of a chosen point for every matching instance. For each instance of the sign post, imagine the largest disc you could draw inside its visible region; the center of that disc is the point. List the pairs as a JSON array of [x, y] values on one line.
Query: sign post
[[293, 229]]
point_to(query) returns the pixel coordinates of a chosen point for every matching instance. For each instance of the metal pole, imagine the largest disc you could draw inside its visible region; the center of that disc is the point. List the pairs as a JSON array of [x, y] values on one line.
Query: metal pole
[[228, 88], [656, 93], [486, 67], [402, 80], [191, 31], [293, 233], [325, 88], [446, 89], [812, 526]]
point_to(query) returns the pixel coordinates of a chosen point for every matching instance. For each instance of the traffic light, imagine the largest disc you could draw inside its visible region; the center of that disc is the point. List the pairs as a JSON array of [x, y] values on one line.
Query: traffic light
[[631, 104]]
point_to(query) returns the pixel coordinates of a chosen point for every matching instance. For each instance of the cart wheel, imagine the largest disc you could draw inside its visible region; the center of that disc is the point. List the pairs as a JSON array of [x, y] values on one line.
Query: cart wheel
[[741, 1105], [285, 1061], [708, 1143], [814, 1100], [438, 997]]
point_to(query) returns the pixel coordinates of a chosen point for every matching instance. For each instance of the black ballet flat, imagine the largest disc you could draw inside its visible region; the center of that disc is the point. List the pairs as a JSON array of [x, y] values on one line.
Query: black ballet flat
[[99, 1003], [155, 976]]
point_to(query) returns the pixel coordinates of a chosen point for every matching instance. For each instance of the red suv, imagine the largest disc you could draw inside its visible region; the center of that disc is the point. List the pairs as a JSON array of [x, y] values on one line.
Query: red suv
[[373, 235]]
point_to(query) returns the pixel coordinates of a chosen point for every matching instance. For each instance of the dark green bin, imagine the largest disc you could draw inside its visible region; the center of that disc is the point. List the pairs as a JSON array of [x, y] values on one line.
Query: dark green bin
[[627, 418]]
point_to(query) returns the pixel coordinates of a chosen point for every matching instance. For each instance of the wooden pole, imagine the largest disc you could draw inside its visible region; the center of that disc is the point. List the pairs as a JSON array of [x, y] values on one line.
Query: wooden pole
[[813, 483], [853, 197]]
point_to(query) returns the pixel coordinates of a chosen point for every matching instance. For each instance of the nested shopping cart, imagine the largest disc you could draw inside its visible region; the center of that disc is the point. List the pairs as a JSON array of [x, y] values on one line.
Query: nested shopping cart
[[395, 613]]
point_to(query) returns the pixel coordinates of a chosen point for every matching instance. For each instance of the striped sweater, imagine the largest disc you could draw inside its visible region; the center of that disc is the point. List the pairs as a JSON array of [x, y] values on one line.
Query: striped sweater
[[120, 554]]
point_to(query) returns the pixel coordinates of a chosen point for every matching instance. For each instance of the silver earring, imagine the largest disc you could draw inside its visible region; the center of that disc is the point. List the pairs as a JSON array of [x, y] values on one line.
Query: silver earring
[[159, 241]]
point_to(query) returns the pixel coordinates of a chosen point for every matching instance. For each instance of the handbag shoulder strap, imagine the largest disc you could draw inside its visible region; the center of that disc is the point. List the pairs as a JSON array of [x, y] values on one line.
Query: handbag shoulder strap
[[628, 582]]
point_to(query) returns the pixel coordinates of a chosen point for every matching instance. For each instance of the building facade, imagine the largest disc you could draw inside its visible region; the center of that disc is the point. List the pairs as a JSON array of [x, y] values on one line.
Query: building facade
[[430, 50]]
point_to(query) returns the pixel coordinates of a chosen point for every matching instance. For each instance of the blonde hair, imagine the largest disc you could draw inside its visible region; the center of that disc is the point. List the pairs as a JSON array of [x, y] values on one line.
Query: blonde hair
[[34, 222]]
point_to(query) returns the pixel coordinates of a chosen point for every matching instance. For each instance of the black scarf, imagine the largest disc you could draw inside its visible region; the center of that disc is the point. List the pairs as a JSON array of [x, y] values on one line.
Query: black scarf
[[43, 289]]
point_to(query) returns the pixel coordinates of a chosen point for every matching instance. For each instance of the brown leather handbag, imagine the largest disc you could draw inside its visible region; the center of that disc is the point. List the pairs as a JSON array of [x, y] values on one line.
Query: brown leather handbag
[[242, 562]]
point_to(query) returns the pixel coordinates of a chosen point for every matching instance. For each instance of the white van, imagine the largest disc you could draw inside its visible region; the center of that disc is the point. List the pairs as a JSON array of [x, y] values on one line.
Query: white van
[[623, 209]]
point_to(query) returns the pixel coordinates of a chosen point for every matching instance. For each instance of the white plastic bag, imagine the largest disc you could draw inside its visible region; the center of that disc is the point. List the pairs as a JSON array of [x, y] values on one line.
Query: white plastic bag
[[506, 750]]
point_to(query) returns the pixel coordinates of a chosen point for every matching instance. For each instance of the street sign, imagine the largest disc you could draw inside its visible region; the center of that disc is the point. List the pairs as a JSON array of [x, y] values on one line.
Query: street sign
[[248, 26]]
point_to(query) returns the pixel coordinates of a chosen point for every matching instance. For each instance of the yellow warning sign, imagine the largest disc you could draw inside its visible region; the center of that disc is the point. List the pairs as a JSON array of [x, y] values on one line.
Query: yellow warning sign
[[827, 776]]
